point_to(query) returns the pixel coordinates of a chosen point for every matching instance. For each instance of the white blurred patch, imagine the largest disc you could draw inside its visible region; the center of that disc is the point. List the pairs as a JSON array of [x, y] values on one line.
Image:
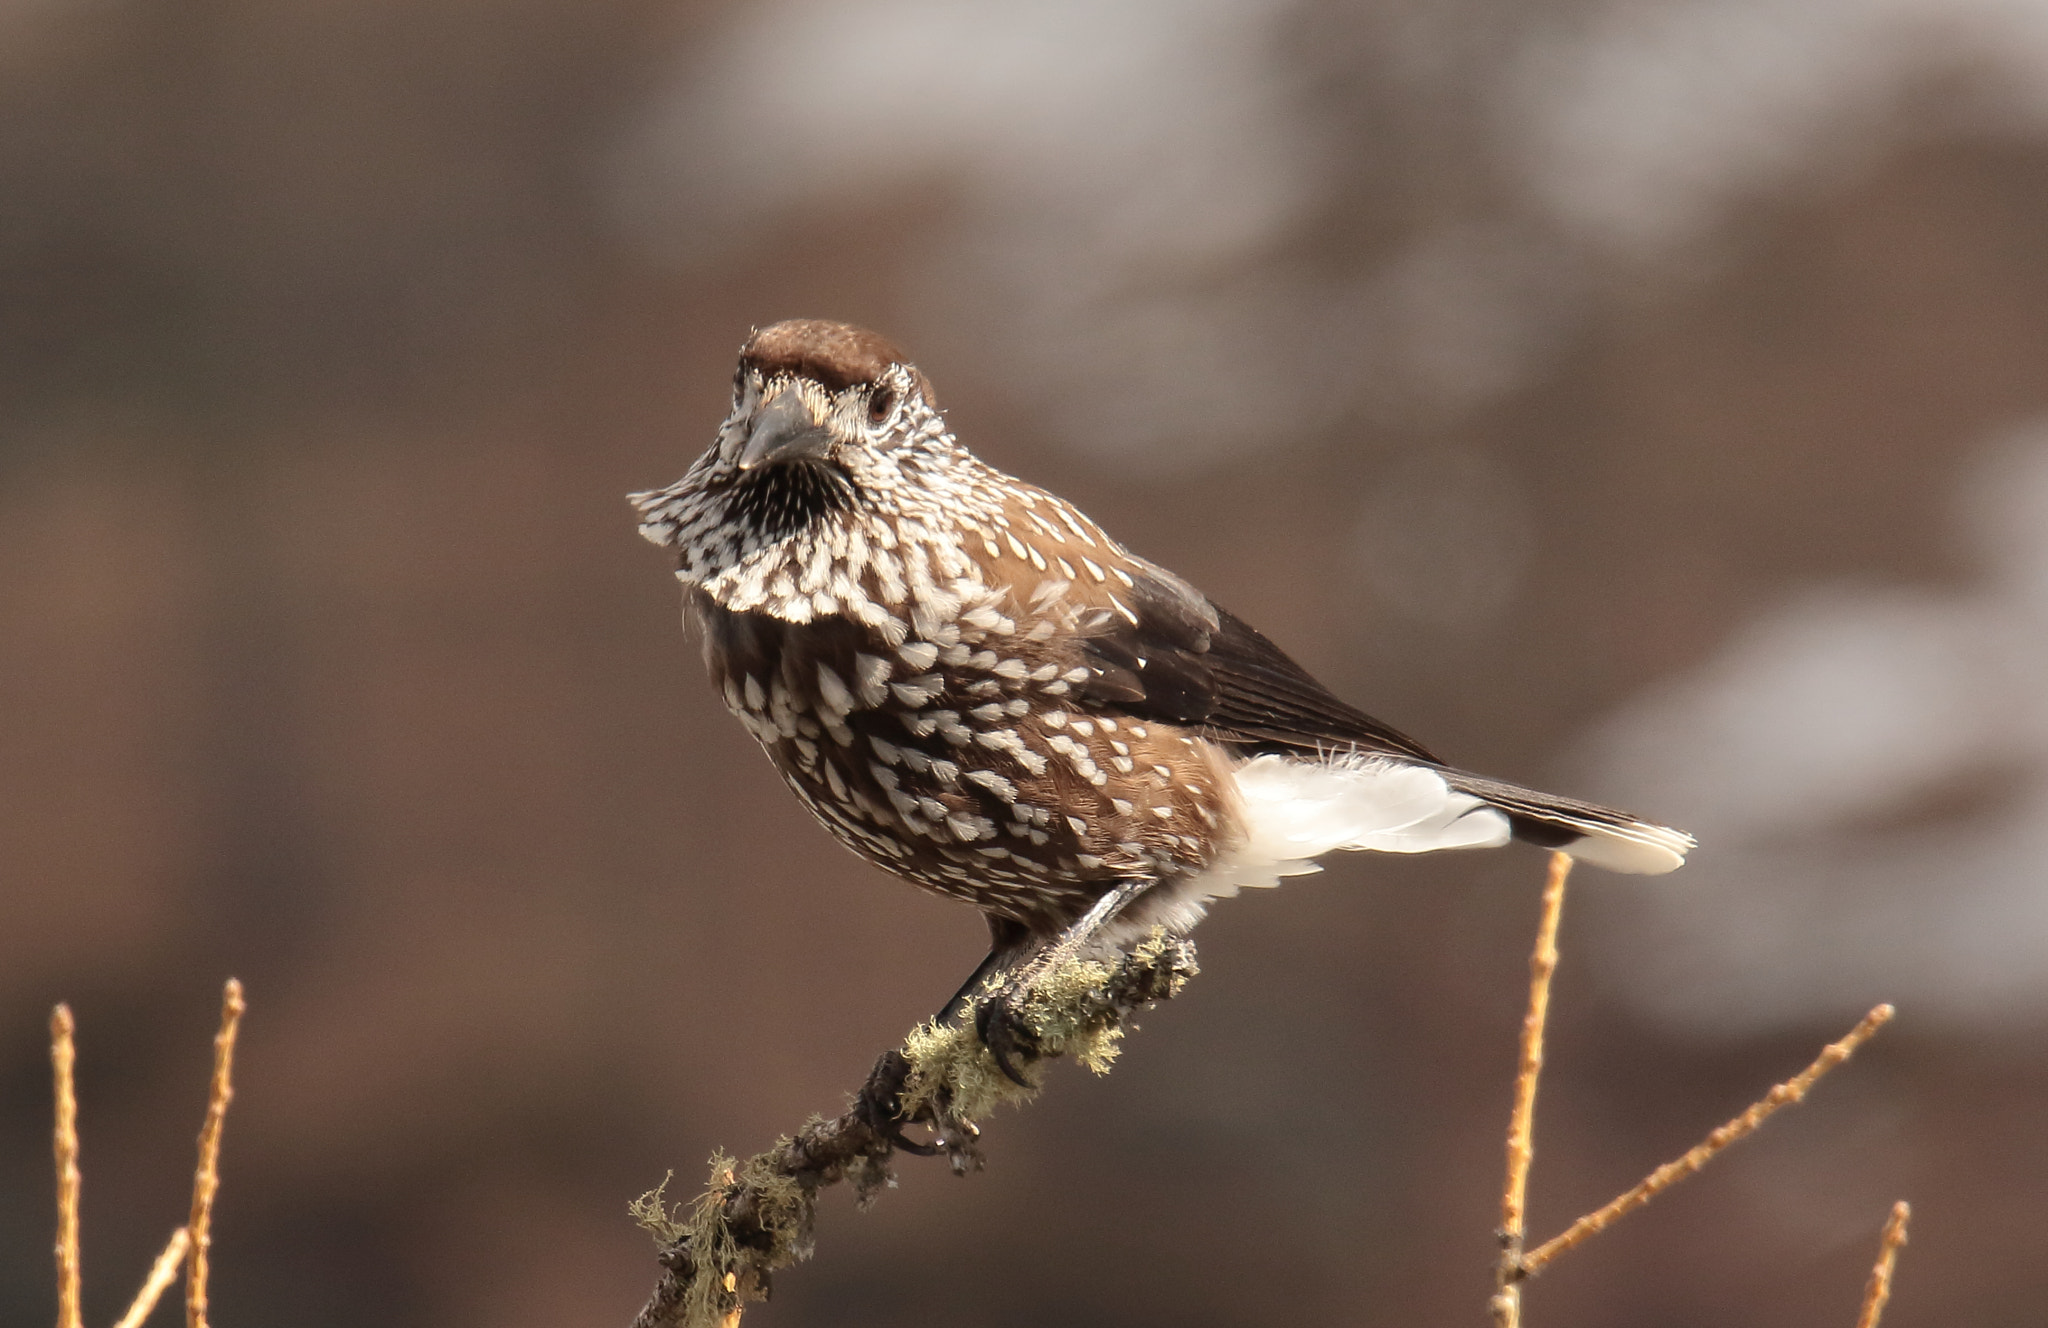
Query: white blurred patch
[[1118, 206], [1642, 127], [1115, 182], [1803, 756], [1153, 121]]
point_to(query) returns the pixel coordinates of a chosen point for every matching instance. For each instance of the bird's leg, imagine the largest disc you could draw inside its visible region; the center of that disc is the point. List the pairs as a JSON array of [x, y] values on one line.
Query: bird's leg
[[998, 1021], [1007, 938], [881, 1097]]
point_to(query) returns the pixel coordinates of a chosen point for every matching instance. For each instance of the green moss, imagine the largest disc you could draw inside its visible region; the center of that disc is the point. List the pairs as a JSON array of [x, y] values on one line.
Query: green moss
[[954, 1078], [783, 1207], [653, 1215], [1066, 1009], [1077, 1009], [713, 1290]]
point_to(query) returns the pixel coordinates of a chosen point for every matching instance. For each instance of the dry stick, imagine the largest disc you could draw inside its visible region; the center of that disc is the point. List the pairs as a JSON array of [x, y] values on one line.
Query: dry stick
[[1880, 1289], [1793, 1090], [161, 1275], [63, 1057], [206, 1179], [1507, 1296]]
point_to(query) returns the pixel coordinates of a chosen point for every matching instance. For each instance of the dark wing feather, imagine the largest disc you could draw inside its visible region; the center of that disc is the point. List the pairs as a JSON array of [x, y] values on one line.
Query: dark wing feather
[[1171, 655], [1176, 657]]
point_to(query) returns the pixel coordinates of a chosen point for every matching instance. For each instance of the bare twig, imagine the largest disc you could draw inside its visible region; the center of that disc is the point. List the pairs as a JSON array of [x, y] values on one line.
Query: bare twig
[[1663, 1178], [1880, 1289], [206, 1177], [756, 1216], [161, 1275], [63, 1059], [1507, 1295]]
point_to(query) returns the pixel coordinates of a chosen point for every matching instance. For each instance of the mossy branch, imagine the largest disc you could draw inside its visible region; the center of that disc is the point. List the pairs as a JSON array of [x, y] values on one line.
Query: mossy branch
[[756, 1217]]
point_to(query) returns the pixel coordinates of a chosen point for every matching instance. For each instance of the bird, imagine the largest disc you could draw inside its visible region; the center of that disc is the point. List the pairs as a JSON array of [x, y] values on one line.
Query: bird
[[976, 688]]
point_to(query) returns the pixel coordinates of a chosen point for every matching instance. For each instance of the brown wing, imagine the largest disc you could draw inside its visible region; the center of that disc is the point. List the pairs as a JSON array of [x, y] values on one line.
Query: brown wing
[[1165, 652]]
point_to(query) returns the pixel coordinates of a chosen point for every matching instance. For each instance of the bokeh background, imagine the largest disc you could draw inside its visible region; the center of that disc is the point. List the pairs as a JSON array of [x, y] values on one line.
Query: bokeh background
[[1646, 398]]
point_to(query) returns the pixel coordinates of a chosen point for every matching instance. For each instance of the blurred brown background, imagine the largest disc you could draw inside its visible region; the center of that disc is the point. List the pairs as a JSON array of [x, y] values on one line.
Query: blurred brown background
[[1642, 397]]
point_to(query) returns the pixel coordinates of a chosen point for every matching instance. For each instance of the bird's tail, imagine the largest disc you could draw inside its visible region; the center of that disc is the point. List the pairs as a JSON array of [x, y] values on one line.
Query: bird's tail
[[1294, 811], [1598, 836]]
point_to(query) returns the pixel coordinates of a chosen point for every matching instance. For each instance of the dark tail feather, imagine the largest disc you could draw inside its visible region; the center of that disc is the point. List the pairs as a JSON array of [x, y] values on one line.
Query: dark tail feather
[[1592, 834]]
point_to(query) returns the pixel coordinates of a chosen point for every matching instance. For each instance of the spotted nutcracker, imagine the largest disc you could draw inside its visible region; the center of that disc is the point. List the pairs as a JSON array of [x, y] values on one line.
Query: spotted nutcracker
[[977, 689]]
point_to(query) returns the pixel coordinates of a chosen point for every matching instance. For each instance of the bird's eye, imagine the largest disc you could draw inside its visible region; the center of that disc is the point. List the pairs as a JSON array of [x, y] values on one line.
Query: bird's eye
[[880, 404]]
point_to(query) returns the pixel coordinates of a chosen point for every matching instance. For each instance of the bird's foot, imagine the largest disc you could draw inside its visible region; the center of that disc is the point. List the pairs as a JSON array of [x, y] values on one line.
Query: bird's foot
[[880, 1103], [1005, 1031]]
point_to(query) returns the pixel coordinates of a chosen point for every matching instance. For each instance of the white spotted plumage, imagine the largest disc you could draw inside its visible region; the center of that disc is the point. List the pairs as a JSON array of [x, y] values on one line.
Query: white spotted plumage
[[899, 625]]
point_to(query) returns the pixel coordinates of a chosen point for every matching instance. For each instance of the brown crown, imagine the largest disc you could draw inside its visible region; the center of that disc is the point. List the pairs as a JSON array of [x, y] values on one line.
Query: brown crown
[[835, 355]]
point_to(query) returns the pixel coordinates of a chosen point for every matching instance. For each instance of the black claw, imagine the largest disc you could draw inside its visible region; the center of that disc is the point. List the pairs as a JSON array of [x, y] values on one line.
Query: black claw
[[881, 1103], [1003, 1033], [894, 1134]]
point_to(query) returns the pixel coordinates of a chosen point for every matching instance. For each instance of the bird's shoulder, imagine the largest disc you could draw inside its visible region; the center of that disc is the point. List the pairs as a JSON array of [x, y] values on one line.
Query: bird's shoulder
[[1156, 648]]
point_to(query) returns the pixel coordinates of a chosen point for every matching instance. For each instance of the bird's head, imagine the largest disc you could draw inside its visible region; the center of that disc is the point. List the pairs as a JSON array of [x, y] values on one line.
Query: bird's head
[[809, 392], [828, 421]]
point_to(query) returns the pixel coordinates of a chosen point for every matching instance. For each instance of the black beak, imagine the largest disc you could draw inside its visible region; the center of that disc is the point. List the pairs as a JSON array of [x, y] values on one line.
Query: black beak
[[782, 430]]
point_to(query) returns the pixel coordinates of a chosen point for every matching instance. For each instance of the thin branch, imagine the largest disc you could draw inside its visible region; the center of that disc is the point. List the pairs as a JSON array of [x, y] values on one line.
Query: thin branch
[[206, 1178], [1663, 1178], [1880, 1289], [63, 1059], [1507, 1297], [161, 1275]]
